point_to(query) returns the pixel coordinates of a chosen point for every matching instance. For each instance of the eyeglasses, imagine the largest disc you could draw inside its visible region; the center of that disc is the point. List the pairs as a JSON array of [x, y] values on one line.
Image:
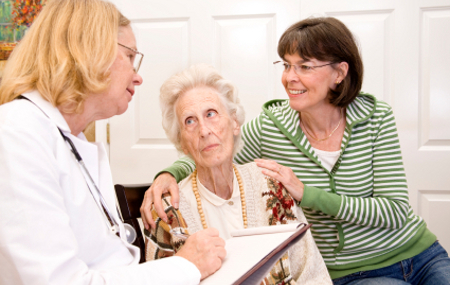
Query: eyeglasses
[[302, 69], [135, 59]]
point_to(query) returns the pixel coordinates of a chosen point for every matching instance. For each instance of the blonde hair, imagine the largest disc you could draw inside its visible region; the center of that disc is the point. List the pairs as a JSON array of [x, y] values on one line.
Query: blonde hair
[[196, 76], [66, 54]]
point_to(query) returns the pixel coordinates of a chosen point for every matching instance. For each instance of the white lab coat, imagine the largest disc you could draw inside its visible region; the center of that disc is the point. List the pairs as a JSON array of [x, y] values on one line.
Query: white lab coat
[[51, 229]]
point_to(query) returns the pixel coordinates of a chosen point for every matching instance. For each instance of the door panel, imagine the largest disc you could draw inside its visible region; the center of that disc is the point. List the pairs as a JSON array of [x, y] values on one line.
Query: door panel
[[429, 152]]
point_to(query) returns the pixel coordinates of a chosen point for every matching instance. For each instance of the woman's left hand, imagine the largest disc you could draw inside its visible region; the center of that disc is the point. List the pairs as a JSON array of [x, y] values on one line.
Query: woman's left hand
[[283, 174]]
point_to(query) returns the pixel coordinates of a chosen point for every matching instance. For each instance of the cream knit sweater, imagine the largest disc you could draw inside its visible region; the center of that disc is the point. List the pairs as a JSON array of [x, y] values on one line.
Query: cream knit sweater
[[306, 263]]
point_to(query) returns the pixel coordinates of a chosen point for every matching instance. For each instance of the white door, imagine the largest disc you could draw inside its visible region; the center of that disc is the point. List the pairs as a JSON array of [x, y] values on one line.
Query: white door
[[404, 45], [238, 37]]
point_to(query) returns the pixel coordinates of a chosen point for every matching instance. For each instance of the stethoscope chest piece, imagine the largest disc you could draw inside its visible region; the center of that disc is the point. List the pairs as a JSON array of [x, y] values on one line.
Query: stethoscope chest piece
[[130, 233]]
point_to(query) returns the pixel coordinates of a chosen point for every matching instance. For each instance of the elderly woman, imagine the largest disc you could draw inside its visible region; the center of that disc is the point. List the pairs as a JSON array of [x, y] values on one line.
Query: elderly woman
[[56, 225], [337, 152], [202, 117]]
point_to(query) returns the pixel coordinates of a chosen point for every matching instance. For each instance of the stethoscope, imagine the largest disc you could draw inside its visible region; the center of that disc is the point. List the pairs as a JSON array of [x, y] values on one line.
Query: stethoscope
[[125, 231]]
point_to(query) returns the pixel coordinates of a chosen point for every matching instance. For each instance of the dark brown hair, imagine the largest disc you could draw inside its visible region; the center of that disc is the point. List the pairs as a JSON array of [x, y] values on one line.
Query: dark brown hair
[[326, 39]]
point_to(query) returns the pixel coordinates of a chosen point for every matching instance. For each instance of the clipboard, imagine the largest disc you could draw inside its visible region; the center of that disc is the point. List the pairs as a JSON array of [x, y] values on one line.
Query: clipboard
[[259, 271], [254, 252]]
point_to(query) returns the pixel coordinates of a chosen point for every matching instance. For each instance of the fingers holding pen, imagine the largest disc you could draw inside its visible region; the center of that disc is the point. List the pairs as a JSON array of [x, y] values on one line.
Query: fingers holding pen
[[206, 250]]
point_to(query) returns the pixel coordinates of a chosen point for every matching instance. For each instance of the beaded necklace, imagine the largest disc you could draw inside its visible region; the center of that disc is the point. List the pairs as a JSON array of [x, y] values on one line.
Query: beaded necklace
[[199, 202]]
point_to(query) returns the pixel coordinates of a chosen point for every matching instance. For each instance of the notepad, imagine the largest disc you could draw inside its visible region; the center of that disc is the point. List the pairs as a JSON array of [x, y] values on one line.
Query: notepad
[[251, 253]]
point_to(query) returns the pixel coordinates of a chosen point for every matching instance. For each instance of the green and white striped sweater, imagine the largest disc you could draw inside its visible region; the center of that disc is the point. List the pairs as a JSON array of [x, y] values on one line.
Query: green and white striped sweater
[[360, 210]]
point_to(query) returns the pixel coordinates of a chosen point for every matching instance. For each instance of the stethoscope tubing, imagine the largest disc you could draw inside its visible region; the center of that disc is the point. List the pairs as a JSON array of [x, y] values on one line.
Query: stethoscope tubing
[[126, 232], [112, 223]]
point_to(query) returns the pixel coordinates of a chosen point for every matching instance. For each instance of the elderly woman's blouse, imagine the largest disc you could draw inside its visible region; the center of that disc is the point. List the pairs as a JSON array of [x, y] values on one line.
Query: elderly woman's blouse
[[224, 215]]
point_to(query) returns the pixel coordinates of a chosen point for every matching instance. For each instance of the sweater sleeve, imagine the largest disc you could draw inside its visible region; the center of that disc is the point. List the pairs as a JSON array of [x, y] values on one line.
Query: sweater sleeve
[[180, 169], [388, 205], [251, 138]]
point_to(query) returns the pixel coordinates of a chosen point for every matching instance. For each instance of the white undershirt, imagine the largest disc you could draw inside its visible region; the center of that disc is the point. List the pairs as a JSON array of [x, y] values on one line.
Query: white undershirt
[[328, 158], [224, 215]]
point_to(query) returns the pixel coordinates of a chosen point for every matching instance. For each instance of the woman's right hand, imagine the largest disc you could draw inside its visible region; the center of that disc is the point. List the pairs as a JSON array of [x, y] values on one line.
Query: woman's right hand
[[164, 183], [283, 174], [206, 250]]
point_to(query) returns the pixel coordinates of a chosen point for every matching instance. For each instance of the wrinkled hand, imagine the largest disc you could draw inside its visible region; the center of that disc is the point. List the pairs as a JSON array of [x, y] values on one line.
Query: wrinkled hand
[[283, 174], [164, 183], [206, 250]]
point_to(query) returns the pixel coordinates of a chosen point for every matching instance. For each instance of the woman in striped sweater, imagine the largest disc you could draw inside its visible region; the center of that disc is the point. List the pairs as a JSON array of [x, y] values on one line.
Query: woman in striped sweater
[[337, 152]]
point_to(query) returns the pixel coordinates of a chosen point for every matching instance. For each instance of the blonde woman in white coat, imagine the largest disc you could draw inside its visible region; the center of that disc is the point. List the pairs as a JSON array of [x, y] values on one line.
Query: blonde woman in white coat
[[52, 228]]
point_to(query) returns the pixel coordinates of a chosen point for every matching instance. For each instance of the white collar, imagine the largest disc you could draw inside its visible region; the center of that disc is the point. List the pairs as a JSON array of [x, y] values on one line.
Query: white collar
[[213, 198], [51, 111]]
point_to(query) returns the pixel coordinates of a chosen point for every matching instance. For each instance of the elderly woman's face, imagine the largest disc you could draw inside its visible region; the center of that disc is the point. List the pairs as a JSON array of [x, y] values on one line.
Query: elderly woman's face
[[207, 130], [123, 78]]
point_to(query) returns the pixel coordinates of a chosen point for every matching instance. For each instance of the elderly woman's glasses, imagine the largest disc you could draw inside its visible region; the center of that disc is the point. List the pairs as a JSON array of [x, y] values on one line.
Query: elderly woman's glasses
[[136, 58], [302, 69]]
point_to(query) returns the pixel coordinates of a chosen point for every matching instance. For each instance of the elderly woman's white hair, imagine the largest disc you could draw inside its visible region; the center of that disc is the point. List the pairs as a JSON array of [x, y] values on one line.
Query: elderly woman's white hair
[[195, 76]]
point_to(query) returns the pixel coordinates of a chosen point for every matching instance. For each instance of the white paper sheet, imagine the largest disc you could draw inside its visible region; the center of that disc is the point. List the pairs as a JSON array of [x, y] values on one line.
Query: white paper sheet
[[244, 251]]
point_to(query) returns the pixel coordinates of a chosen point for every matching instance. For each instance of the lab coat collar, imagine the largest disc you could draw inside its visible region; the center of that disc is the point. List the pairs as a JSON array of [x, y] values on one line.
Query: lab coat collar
[[51, 111], [88, 151]]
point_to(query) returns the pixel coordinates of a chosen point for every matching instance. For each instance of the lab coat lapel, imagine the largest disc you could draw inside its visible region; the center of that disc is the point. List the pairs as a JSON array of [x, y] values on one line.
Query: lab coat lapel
[[105, 179], [88, 151], [89, 154], [93, 154], [96, 161], [49, 110]]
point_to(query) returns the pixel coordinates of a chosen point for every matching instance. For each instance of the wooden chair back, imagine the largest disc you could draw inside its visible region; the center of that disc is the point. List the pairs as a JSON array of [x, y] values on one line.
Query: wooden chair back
[[130, 200]]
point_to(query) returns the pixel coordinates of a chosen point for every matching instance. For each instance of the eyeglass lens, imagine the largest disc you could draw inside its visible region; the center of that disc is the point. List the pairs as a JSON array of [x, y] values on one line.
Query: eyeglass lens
[[302, 69], [137, 62]]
